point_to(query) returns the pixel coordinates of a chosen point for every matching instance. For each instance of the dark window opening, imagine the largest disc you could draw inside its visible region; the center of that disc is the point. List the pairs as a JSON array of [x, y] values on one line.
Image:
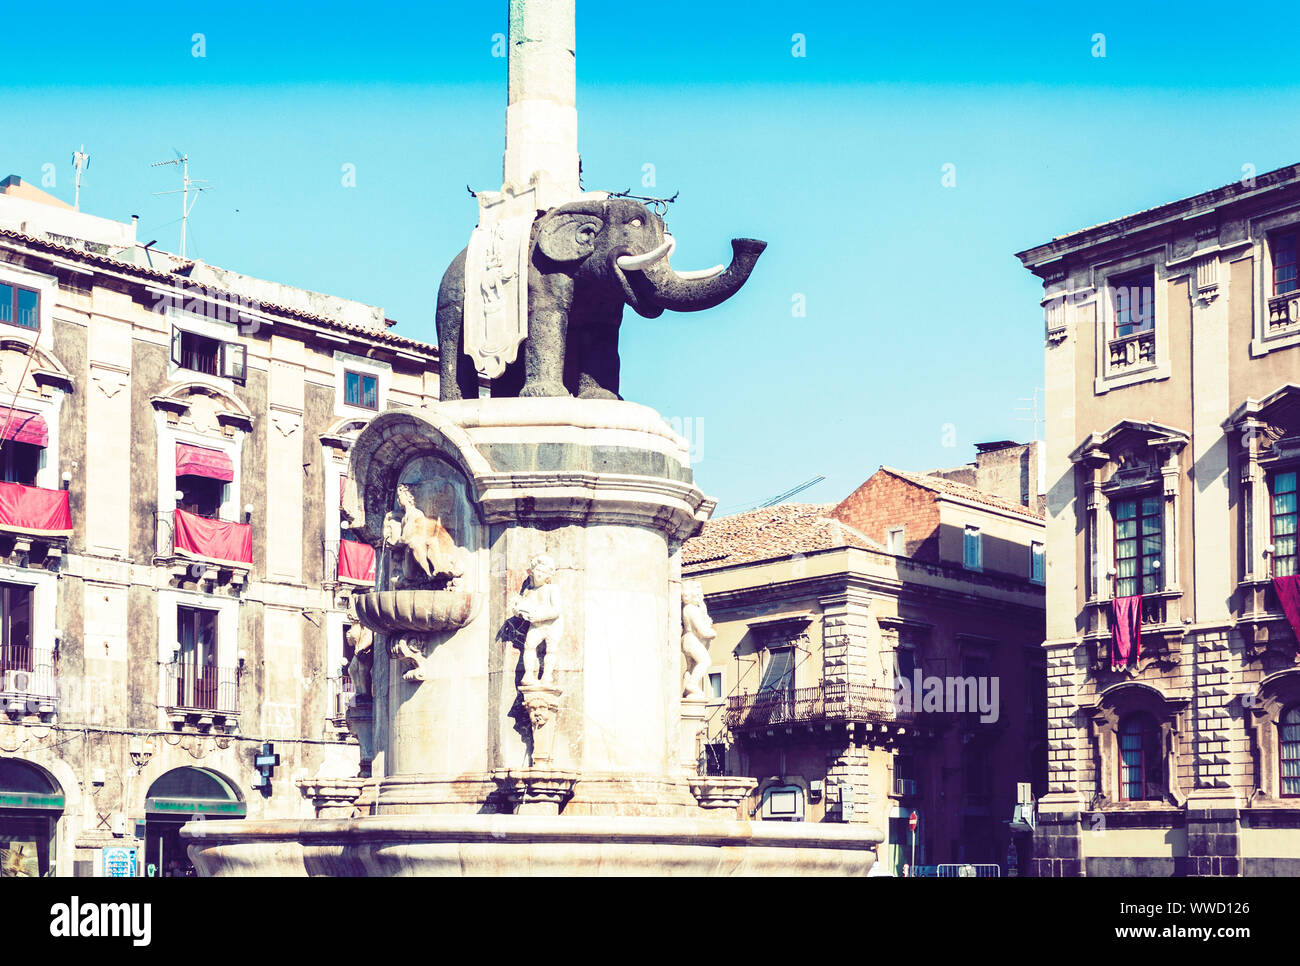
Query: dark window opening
[[196, 633], [200, 495], [211, 357], [15, 628], [19, 462], [1289, 747], [1141, 762]]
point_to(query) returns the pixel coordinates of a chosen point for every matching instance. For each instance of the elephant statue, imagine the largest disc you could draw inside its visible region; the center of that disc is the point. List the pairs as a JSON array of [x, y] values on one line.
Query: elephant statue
[[586, 260]]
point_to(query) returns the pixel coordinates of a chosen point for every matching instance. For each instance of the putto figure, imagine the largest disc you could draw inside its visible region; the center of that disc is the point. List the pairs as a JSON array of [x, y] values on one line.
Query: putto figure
[[431, 555], [539, 605], [697, 632]]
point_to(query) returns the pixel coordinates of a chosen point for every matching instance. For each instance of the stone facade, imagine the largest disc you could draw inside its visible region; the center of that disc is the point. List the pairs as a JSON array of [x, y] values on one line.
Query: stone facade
[[118, 362], [1170, 370], [817, 625]]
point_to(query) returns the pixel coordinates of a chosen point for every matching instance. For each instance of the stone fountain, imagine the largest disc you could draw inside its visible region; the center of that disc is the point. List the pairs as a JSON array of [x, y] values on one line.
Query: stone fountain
[[534, 701]]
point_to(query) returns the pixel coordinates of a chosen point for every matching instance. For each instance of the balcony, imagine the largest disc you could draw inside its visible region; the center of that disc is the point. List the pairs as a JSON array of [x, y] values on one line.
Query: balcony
[[1283, 313], [1133, 351], [341, 696], [199, 548], [32, 516], [1161, 627], [1263, 623], [828, 703], [349, 562], [28, 681], [201, 694]]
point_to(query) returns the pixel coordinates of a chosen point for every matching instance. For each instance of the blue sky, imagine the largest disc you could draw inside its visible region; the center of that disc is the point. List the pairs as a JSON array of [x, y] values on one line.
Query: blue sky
[[918, 316]]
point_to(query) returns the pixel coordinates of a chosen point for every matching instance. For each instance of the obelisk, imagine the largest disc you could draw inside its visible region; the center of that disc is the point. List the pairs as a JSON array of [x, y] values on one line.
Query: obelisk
[[542, 111]]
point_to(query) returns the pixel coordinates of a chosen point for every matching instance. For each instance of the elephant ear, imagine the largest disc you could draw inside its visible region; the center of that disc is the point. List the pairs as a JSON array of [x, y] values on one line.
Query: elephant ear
[[568, 236]]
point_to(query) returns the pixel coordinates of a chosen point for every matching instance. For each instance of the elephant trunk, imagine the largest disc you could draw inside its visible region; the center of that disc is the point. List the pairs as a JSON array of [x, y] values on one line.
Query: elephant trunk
[[689, 292]]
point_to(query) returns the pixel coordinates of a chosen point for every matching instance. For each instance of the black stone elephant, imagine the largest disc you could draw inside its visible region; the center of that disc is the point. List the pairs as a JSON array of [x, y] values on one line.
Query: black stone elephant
[[587, 260]]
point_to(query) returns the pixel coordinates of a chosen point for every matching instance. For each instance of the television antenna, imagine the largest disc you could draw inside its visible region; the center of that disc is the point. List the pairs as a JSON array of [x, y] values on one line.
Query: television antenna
[[1032, 413], [80, 161], [187, 185]]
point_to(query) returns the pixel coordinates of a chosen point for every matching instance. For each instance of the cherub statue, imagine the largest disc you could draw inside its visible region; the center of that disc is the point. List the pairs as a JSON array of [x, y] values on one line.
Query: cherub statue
[[539, 605], [697, 632], [362, 640], [431, 554]]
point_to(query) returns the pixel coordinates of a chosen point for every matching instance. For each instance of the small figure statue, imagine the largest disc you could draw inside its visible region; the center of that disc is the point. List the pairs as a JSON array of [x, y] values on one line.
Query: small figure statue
[[539, 605], [362, 640], [697, 632], [431, 554], [410, 648]]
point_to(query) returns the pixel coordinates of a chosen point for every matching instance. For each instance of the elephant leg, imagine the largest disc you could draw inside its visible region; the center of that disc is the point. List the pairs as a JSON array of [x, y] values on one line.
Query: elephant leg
[[458, 377], [549, 298], [598, 376]]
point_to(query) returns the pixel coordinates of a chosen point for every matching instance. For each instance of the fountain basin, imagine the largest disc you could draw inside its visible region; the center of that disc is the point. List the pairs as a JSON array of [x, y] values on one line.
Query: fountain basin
[[416, 610], [481, 845]]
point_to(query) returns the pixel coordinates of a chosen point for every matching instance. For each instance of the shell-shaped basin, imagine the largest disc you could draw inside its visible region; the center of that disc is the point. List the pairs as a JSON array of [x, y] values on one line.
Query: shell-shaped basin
[[416, 610]]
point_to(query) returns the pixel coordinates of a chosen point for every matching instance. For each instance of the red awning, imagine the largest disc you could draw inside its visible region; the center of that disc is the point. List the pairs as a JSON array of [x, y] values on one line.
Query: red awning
[[356, 561], [30, 509], [214, 539], [199, 461], [23, 427]]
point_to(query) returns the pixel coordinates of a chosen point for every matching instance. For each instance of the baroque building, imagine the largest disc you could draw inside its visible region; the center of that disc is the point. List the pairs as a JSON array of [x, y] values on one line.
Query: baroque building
[[175, 568], [1173, 444], [833, 624]]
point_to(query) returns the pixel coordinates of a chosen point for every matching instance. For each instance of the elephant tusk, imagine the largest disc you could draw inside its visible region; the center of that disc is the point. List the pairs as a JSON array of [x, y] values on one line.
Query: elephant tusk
[[631, 263], [702, 273]]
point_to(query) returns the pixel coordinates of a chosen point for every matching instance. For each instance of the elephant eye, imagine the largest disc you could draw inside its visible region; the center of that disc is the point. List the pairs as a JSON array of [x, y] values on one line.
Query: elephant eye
[[635, 223]]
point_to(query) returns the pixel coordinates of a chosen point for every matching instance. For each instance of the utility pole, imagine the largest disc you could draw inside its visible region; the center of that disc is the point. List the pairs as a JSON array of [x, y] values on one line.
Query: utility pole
[[184, 191], [80, 161]]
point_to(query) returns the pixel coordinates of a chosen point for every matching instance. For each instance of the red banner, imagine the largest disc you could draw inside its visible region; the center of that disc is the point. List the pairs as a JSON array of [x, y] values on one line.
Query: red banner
[[30, 509], [214, 539], [1288, 595], [1125, 631], [200, 461], [356, 561], [23, 427]]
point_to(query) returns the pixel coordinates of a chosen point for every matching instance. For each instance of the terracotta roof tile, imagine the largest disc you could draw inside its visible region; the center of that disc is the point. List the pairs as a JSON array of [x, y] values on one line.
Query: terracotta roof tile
[[179, 276], [938, 484], [770, 533]]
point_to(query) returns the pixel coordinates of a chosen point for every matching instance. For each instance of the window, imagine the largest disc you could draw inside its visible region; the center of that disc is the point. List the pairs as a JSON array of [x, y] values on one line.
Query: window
[[1284, 264], [715, 759], [200, 495], [715, 686], [1137, 546], [1141, 763], [1289, 746], [19, 462], [904, 666], [778, 673], [196, 678], [897, 546], [361, 389], [1134, 303], [1037, 562], [20, 306], [1284, 518], [973, 549], [209, 356], [15, 628]]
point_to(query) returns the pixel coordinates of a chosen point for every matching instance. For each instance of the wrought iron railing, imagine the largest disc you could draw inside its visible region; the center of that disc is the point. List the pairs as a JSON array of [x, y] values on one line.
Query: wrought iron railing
[[830, 701], [342, 694], [202, 687], [28, 674]]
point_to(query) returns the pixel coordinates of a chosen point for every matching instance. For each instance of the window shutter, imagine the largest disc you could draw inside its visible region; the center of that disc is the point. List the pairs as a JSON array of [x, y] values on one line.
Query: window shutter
[[176, 346], [233, 361]]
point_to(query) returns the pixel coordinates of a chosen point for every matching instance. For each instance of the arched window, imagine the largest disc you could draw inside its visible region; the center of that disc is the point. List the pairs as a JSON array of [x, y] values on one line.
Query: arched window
[[1289, 751], [1141, 764]]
